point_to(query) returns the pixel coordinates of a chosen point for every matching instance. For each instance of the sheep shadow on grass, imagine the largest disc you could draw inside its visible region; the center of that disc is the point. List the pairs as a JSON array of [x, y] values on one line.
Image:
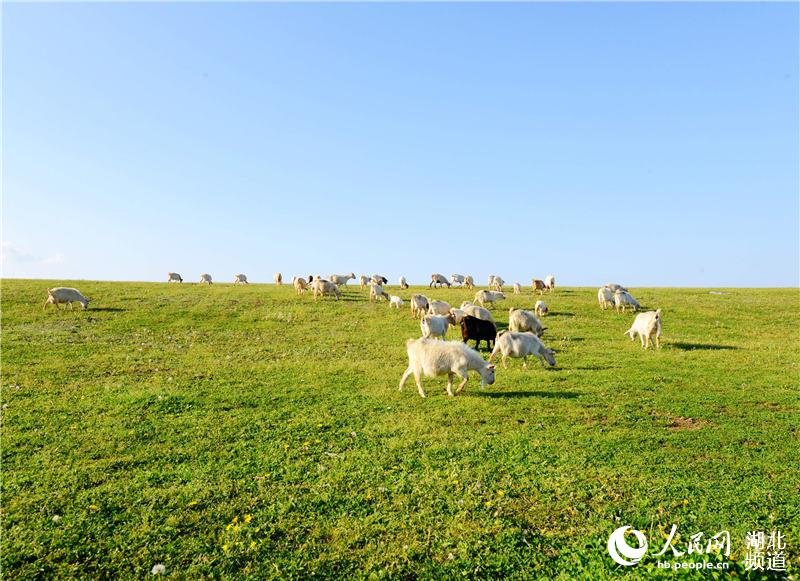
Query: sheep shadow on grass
[[701, 347], [515, 394], [106, 309]]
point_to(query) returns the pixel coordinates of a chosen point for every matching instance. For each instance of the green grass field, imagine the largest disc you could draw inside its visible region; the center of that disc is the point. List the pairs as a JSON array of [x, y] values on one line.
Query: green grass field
[[231, 431]]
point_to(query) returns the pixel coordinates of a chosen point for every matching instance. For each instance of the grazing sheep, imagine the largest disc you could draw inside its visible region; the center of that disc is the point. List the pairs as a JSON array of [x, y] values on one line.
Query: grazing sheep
[[451, 358], [605, 296], [478, 330], [321, 288], [622, 299], [491, 297], [540, 309], [363, 281], [205, 279], [517, 289], [240, 279], [379, 279], [376, 292], [538, 285], [174, 277], [435, 326], [403, 283], [497, 284], [469, 282], [647, 325], [490, 280], [438, 279], [550, 282], [341, 279], [438, 308], [615, 287], [457, 279], [522, 321], [458, 314], [64, 295], [299, 285], [419, 305], [395, 302], [476, 311], [279, 279], [516, 345]]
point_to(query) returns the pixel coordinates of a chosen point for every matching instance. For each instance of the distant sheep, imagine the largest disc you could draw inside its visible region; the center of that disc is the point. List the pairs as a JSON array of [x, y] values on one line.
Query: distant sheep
[[491, 297], [538, 285], [396, 302], [61, 295], [435, 326], [605, 296], [469, 282], [419, 305], [341, 279], [647, 326], [497, 283], [379, 279], [540, 309], [450, 358], [478, 330], [363, 281], [376, 292], [476, 311], [438, 279], [299, 285], [550, 282], [240, 279], [205, 279], [457, 279], [613, 287], [322, 288], [521, 345], [403, 283], [438, 307], [279, 279], [622, 299], [174, 277], [521, 321], [517, 289]]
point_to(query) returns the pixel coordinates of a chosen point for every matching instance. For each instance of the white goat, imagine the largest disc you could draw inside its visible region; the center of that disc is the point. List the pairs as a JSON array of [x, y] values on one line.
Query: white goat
[[363, 281], [458, 314], [540, 309], [396, 302], [517, 289], [341, 279], [419, 305], [279, 279], [520, 321], [615, 287], [622, 299], [403, 283], [605, 296], [450, 358], [435, 326], [491, 297], [240, 279], [321, 288], [299, 285], [457, 279], [476, 311], [376, 292], [647, 326], [438, 279], [174, 277], [205, 279], [516, 345], [438, 307], [497, 283], [469, 282], [550, 282], [64, 295]]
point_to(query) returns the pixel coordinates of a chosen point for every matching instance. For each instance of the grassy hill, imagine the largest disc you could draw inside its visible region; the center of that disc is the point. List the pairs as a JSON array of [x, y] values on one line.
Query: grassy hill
[[233, 431]]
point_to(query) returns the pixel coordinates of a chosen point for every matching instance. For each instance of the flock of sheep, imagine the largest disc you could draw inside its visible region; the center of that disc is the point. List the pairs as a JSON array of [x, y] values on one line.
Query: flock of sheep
[[431, 355]]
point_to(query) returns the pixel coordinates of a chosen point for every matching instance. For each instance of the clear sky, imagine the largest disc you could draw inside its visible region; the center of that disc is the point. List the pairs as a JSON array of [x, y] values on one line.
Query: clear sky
[[646, 144]]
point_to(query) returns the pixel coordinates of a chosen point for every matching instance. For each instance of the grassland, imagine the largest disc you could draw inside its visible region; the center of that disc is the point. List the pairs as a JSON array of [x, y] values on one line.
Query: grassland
[[242, 431]]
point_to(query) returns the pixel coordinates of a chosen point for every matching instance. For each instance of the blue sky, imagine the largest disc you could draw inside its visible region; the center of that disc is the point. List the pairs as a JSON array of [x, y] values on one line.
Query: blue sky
[[646, 144]]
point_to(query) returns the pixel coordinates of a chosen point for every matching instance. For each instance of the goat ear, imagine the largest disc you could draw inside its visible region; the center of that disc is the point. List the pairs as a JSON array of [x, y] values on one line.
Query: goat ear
[[490, 366]]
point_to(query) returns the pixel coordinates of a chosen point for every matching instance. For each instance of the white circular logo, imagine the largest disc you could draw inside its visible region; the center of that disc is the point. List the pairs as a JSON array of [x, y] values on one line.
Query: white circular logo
[[621, 551]]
